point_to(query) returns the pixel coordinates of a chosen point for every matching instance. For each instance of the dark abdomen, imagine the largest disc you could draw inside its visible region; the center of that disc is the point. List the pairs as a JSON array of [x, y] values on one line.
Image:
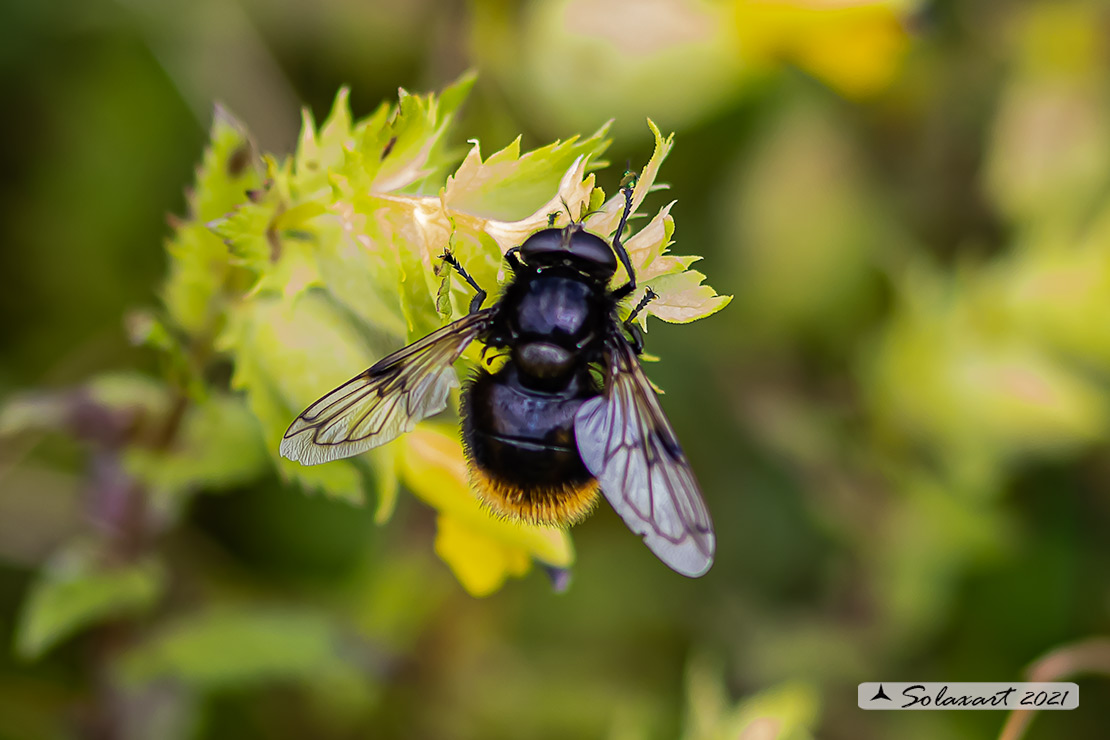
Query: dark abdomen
[[520, 444]]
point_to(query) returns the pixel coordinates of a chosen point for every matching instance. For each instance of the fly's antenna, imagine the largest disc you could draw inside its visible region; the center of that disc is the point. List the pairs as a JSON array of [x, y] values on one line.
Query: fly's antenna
[[567, 207]]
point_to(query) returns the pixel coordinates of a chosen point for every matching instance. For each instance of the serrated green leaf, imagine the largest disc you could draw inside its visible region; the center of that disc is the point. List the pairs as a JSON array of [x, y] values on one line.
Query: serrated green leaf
[[683, 298], [417, 251], [228, 647], [249, 234], [416, 143], [320, 153], [79, 588], [363, 277], [231, 167], [509, 185], [275, 240], [572, 194], [200, 265], [398, 148]]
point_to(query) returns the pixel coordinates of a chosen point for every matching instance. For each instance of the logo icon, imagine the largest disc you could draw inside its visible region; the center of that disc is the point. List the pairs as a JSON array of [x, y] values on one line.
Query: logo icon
[[881, 694]]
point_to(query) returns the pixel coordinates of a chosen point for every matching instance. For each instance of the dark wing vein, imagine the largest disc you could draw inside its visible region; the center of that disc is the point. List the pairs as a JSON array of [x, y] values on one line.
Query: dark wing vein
[[385, 401], [627, 443]]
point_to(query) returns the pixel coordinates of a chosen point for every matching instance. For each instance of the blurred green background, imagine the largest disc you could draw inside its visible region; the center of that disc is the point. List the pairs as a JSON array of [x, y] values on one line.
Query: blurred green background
[[901, 422]]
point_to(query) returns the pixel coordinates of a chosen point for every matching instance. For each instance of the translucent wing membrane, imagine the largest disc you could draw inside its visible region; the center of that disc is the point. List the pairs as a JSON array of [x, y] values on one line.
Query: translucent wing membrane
[[385, 401], [627, 443]]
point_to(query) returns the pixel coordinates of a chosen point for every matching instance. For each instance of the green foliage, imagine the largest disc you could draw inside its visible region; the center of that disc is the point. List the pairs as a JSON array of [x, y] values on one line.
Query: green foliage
[[900, 423], [217, 446], [301, 271], [230, 647], [785, 712], [201, 273], [81, 587], [280, 371]]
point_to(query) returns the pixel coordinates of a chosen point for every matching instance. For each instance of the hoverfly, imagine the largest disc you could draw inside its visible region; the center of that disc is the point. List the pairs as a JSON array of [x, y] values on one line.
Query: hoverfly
[[541, 435]]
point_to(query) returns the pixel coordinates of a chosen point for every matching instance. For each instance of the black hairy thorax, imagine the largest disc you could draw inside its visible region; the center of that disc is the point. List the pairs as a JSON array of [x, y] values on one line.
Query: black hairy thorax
[[518, 424]]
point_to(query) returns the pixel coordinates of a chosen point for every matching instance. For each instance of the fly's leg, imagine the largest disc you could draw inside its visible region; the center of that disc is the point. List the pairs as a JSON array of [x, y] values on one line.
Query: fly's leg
[[634, 332], [479, 294], [649, 296], [622, 253]]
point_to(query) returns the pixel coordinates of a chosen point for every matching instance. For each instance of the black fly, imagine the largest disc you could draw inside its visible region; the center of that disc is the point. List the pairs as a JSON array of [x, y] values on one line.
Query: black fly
[[541, 435]]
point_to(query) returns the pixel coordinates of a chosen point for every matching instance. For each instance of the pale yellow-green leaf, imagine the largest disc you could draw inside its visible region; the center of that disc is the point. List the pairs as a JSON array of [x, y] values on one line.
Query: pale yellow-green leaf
[[574, 190], [416, 232], [288, 354], [683, 298], [360, 269], [509, 185], [294, 271], [200, 265], [647, 245], [320, 153], [415, 142], [248, 232], [230, 168]]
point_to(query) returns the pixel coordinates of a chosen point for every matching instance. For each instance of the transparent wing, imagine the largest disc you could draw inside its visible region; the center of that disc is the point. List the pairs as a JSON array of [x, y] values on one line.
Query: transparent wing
[[385, 401], [628, 445]]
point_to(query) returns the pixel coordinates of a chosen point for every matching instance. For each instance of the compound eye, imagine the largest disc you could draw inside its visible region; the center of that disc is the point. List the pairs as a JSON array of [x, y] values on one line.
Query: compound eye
[[543, 242], [593, 248]]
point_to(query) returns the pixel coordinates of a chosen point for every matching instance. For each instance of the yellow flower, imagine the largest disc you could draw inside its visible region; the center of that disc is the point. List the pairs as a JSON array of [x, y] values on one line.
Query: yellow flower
[[480, 549], [855, 46]]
